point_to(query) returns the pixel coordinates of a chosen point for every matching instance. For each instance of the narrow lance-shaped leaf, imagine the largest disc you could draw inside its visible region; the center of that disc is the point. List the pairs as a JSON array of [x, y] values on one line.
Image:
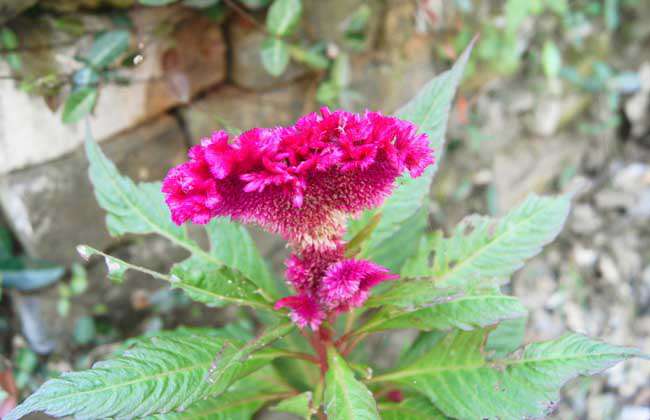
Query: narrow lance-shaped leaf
[[345, 397], [416, 407], [243, 399], [283, 17], [231, 243], [465, 312], [275, 56], [157, 375], [429, 110], [107, 47], [230, 365], [300, 405], [205, 284], [458, 378], [79, 104], [482, 251]]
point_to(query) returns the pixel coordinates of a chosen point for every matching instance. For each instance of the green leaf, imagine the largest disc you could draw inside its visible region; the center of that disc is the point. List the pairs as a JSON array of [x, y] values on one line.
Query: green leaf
[[422, 344], [275, 56], [311, 58], [283, 17], [216, 286], [6, 244], [551, 59], [482, 251], [79, 104], [243, 400], [231, 243], [157, 375], [345, 397], [467, 312], [300, 405], [201, 281], [9, 41], [413, 408], [429, 110], [233, 363], [506, 337], [458, 379], [107, 47]]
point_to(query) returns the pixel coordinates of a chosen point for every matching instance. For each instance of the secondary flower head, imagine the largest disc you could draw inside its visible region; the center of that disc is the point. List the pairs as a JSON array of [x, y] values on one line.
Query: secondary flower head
[[303, 182]]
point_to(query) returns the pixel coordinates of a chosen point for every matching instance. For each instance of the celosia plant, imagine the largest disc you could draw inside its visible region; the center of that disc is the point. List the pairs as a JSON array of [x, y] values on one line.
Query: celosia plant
[[348, 192]]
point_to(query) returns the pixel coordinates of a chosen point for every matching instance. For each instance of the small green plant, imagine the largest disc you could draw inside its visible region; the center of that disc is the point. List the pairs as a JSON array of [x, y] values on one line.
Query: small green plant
[[307, 357]]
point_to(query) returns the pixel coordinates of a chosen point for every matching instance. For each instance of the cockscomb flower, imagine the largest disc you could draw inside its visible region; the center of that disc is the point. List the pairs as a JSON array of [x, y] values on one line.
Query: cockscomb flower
[[303, 182]]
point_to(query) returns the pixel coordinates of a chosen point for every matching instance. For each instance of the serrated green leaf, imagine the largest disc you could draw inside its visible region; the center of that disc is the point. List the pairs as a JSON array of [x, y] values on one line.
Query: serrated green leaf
[[107, 47], [456, 376], [275, 56], [412, 408], [232, 365], [462, 312], [157, 375], [243, 399], [507, 337], [283, 17], [201, 281], [429, 110], [231, 243], [79, 104], [345, 397], [300, 405], [216, 286], [482, 251]]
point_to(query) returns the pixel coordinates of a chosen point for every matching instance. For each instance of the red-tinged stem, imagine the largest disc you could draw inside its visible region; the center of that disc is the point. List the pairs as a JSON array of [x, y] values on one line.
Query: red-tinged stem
[[352, 344]]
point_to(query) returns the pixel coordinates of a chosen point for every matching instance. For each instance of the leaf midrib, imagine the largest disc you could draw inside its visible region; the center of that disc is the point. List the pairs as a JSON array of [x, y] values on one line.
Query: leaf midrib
[[507, 231], [407, 373]]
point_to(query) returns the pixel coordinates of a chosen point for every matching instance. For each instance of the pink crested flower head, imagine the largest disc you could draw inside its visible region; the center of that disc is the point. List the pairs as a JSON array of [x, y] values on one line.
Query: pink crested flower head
[[347, 283], [302, 181]]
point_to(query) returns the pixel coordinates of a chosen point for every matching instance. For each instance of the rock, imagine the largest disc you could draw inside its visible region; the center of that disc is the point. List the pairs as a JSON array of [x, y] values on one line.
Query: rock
[[37, 325], [246, 68], [584, 257], [635, 412], [169, 74], [527, 167], [608, 270], [52, 208], [231, 107], [585, 220], [610, 199]]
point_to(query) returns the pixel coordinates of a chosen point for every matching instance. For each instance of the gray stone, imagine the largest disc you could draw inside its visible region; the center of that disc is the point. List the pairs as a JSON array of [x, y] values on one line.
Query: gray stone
[[231, 107], [585, 220], [635, 412], [169, 74], [52, 208], [530, 167], [246, 68]]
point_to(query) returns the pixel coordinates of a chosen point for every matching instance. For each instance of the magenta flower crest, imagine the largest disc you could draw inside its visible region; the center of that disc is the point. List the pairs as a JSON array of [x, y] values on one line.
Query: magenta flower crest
[[303, 182]]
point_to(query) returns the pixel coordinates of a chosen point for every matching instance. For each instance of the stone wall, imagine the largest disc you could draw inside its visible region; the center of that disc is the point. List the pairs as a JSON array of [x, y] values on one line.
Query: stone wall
[[200, 77]]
